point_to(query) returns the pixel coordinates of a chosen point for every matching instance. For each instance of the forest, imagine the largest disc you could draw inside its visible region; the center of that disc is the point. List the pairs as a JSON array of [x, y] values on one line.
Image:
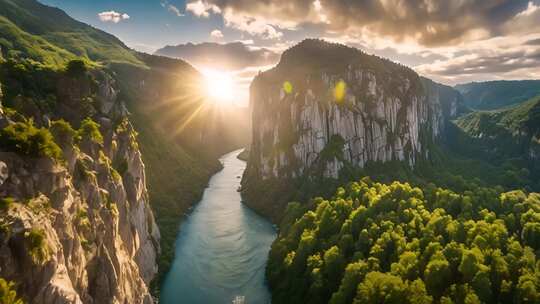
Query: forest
[[394, 243]]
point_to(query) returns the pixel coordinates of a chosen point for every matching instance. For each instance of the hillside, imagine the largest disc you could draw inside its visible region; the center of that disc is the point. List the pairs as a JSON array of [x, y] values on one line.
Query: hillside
[[180, 135], [500, 135], [48, 35], [492, 95]]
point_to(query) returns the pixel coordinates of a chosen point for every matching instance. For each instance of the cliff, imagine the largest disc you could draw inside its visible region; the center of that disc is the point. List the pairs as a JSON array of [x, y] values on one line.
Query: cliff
[[76, 226], [326, 107]]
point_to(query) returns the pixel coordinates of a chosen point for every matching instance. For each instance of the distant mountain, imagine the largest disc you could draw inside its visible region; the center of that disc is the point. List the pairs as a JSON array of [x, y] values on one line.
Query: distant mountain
[[492, 95], [506, 133], [229, 56]]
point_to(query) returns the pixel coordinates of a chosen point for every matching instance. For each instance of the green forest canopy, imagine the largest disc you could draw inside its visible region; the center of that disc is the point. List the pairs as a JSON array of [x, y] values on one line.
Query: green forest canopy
[[392, 243]]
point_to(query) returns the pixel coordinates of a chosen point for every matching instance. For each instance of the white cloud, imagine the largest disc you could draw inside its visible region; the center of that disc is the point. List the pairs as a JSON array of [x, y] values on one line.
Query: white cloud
[[531, 9], [171, 8], [246, 42], [112, 16], [216, 34], [174, 10], [253, 26], [202, 9]]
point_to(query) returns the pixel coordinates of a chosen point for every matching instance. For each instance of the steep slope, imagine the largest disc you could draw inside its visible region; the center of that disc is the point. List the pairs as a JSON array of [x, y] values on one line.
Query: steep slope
[[492, 95], [326, 109], [76, 221], [180, 134], [329, 105], [507, 133]]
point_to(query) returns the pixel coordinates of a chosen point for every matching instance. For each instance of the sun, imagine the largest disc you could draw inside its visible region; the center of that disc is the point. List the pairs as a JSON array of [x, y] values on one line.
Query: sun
[[219, 86]]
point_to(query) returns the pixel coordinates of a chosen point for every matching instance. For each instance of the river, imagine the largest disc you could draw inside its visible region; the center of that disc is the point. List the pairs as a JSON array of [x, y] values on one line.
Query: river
[[222, 247]]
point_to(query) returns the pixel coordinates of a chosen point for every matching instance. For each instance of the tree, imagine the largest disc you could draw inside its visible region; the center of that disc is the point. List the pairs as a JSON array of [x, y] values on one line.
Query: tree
[[76, 68], [379, 287], [417, 294], [333, 266], [437, 275], [354, 273], [531, 235]]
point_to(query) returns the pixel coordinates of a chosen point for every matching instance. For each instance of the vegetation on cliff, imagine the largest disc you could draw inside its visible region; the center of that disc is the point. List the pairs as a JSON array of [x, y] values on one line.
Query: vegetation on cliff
[[8, 294], [373, 243]]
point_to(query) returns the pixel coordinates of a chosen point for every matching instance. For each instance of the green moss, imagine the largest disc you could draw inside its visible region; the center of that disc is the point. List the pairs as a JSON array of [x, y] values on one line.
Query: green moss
[[37, 245], [6, 203], [63, 133], [25, 139], [89, 130], [8, 293]]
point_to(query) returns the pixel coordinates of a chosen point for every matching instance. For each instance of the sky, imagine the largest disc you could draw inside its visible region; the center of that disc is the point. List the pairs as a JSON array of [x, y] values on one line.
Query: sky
[[449, 41]]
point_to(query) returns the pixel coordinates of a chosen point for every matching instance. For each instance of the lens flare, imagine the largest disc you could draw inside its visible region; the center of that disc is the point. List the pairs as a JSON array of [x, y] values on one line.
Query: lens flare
[[340, 91], [219, 86]]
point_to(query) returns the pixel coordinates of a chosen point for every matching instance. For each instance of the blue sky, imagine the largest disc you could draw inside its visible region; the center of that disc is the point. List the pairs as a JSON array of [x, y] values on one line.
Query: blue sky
[[150, 26], [448, 41]]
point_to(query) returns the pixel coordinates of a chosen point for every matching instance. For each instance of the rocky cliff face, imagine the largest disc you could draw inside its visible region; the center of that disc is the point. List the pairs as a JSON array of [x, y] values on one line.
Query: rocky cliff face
[[79, 229], [327, 106]]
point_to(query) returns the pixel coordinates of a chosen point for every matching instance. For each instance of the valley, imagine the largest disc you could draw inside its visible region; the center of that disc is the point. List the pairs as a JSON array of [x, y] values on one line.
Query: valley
[[263, 166]]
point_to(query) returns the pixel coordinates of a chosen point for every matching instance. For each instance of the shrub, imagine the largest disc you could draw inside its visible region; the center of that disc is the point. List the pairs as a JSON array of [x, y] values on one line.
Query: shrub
[[121, 166], [6, 202], [63, 132], [90, 130], [76, 68], [8, 294], [37, 244], [24, 138]]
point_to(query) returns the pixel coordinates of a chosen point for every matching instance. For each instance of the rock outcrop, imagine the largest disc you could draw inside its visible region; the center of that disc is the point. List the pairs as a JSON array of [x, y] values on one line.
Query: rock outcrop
[[79, 229], [326, 106]]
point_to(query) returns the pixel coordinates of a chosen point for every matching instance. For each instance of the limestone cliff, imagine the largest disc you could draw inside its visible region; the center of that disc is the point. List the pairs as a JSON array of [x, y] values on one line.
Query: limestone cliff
[[326, 106], [78, 229]]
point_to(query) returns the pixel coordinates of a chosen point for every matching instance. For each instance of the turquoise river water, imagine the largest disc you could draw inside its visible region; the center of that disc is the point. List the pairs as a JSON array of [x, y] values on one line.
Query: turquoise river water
[[222, 247]]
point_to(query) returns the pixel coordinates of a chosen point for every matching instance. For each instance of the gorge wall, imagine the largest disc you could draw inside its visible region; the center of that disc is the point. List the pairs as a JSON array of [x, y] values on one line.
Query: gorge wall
[[75, 226], [326, 106]]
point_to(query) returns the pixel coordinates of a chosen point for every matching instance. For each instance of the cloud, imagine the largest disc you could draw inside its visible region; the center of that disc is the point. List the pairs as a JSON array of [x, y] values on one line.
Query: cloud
[[533, 42], [450, 41], [112, 16], [216, 34], [171, 8], [202, 9], [491, 59], [252, 26], [531, 9], [429, 22]]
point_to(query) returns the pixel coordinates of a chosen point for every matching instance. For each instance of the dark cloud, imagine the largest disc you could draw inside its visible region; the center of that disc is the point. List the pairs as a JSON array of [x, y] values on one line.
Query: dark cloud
[[498, 64], [430, 22], [533, 42], [230, 56]]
